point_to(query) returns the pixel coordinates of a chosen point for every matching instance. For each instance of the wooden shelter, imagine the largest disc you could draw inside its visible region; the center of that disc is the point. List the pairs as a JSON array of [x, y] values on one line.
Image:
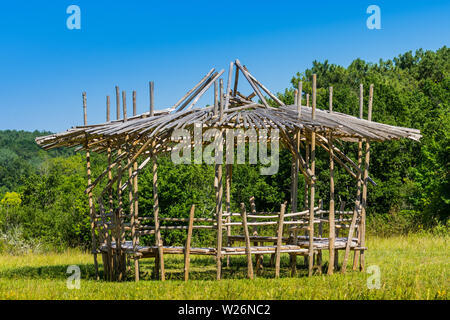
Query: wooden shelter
[[132, 143]]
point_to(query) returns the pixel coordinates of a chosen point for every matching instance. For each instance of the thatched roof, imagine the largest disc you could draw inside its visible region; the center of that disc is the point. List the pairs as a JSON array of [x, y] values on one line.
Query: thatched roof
[[150, 133], [230, 109]]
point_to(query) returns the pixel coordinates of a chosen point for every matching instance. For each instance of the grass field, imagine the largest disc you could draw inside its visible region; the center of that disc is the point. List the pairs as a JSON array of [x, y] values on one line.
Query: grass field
[[412, 267]]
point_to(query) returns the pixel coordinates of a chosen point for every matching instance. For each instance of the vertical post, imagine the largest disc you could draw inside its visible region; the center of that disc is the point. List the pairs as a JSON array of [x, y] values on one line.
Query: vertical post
[[229, 173], [121, 227], [218, 169], [320, 232], [117, 103], [312, 183], [279, 240], [91, 202], [134, 103], [108, 111], [187, 250], [306, 191], [299, 99], [295, 96], [247, 243], [364, 191], [296, 160], [258, 257], [152, 100], [84, 109], [221, 97], [118, 213], [135, 203], [331, 222], [125, 118], [294, 168], [110, 196], [124, 105], [156, 216], [236, 79], [130, 184], [216, 98], [359, 178], [307, 161], [336, 251]]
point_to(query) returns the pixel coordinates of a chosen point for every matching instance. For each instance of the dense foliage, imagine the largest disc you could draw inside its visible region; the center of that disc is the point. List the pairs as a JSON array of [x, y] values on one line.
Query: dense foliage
[[412, 90], [43, 194]]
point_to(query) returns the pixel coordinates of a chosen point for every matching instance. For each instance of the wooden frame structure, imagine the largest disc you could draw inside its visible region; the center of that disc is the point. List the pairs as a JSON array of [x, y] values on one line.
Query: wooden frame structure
[[134, 142]]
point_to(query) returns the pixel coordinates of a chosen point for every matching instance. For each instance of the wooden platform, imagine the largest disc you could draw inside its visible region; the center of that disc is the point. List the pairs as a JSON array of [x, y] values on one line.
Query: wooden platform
[[303, 241], [151, 251], [300, 248]]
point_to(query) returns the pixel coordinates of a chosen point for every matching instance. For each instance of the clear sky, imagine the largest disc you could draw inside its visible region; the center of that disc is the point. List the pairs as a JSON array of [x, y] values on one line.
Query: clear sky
[[45, 66]]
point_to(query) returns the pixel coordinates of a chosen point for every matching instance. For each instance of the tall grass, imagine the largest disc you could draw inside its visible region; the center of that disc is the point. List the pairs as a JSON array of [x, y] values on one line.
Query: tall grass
[[412, 267]]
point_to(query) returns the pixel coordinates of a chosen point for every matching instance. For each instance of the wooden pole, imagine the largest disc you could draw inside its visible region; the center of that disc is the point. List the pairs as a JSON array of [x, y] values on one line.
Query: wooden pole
[[252, 84], [135, 204], [228, 92], [294, 170], [364, 191], [359, 178], [156, 217], [218, 169], [332, 235], [313, 182], [121, 228], [216, 98], [258, 257], [91, 201], [119, 203], [295, 96], [134, 103], [296, 165], [236, 79], [117, 103], [124, 105], [221, 98], [117, 217], [152, 100], [299, 99], [306, 186], [110, 196], [350, 238], [336, 251], [279, 240], [247, 243], [84, 109], [297, 138], [108, 111], [130, 184], [229, 173], [187, 250], [320, 234]]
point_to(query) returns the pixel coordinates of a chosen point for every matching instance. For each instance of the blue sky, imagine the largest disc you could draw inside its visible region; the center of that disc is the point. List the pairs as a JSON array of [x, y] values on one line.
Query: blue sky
[[45, 66]]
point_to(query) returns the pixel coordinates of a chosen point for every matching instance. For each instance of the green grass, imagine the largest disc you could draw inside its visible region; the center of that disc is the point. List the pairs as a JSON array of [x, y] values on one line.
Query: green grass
[[412, 267]]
